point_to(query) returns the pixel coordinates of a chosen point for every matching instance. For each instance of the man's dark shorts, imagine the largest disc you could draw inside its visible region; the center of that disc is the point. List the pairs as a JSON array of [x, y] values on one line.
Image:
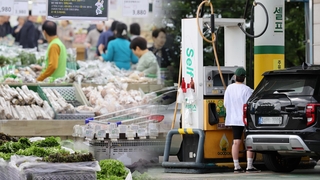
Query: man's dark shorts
[[237, 132]]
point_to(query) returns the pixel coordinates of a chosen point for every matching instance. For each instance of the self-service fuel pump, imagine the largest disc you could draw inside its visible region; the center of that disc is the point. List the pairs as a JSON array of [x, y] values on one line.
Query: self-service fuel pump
[[206, 140]]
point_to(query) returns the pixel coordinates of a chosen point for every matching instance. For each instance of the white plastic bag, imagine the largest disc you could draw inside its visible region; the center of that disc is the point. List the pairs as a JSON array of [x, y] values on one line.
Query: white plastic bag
[[180, 98]]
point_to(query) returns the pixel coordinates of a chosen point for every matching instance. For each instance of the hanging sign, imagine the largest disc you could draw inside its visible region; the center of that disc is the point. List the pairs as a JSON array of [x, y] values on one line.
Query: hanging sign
[[135, 8], [39, 8], [77, 9], [6, 7], [21, 8]]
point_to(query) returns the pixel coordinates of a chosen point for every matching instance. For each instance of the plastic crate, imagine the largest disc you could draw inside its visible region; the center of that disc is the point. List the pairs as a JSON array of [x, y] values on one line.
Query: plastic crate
[[35, 88], [130, 152], [70, 94], [78, 175], [100, 149], [73, 96]]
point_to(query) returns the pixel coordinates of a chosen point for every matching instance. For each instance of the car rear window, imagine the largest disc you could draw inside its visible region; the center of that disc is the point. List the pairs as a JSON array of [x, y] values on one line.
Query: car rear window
[[287, 84]]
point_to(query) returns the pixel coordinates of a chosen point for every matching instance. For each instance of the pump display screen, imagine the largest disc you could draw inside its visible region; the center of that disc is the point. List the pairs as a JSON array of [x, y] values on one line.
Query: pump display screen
[[217, 80]]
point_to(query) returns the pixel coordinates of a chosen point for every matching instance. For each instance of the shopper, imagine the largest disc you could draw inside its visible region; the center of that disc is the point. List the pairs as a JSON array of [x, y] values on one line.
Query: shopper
[[26, 33], [17, 28], [5, 28], [92, 39], [162, 53], [37, 33], [65, 33], [236, 95], [8, 24], [119, 50], [56, 53], [134, 31], [147, 63], [103, 38]]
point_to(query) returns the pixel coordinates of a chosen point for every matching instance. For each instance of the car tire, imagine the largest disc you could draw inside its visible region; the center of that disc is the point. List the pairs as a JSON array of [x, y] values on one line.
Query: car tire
[[277, 163]]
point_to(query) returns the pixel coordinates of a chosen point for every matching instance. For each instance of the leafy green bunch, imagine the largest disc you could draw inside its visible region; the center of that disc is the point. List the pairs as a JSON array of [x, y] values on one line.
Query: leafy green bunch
[[26, 148], [111, 169]]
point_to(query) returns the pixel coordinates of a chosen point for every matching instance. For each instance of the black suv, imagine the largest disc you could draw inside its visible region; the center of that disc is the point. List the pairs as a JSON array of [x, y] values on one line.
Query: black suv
[[282, 117]]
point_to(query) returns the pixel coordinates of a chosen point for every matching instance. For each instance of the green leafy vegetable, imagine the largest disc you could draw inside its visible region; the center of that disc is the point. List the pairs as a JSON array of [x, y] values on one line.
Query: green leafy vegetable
[[9, 76], [68, 158], [5, 156], [40, 152], [47, 142], [111, 169], [12, 147]]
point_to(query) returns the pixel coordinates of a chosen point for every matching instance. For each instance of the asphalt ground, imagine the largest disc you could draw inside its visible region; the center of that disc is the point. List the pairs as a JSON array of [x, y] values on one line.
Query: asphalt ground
[[159, 173], [305, 174]]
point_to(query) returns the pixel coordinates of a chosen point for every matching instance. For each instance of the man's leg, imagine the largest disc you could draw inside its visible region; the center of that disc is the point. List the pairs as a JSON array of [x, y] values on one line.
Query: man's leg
[[237, 134], [250, 167], [235, 153]]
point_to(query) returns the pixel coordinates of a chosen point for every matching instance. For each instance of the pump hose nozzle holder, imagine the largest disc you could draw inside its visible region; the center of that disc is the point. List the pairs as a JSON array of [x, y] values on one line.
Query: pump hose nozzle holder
[[251, 21], [213, 36]]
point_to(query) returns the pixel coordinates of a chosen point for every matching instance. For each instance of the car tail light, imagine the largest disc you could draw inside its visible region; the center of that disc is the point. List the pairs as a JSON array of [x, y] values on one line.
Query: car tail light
[[157, 118], [311, 113], [245, 115], [298, 148]]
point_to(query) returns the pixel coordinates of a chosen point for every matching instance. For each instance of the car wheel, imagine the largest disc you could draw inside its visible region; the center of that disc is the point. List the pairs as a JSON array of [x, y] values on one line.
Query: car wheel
[[277, 163]]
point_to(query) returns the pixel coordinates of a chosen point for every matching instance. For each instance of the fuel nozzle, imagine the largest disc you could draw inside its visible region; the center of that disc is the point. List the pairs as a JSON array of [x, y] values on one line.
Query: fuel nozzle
[[192, 84], [183, 86]]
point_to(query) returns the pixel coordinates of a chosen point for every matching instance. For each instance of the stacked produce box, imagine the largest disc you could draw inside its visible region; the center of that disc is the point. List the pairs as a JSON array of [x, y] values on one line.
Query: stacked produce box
[[21, 103]]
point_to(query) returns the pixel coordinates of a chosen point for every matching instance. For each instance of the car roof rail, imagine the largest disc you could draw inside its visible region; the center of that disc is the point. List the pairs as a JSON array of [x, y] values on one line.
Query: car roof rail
[[305, 65]]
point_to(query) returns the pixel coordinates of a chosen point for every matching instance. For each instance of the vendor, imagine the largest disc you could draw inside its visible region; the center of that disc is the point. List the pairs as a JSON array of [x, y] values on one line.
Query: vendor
[[119, 50], [147, 63], [56, 57]]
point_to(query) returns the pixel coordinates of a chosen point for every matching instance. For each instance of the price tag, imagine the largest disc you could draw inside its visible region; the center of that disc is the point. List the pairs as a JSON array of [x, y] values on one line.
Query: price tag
[[6, 7], [153, 126], [112, 125], [122, 128], [130, 134], [153, 133], [101, 134], [89, 134], [134, 128], [157, 7], [39, 8], [97, 128], [114, 134], [21, 8], [136, 8], [142, 132]]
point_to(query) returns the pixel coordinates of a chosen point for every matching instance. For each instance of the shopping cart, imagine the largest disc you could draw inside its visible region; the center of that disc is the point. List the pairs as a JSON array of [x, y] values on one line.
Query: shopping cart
[[133, 116]]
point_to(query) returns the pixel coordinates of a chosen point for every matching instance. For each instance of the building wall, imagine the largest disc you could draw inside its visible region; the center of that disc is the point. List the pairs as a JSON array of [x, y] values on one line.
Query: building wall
[[316, 30]]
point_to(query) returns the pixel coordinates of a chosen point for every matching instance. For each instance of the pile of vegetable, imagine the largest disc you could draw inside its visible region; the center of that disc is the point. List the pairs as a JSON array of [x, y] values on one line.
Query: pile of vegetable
[[111, 169], [49, 149], [59, 104], [26, 148], [114, 97], [27, 58], [101, 73], [69, 158], [20, 103]]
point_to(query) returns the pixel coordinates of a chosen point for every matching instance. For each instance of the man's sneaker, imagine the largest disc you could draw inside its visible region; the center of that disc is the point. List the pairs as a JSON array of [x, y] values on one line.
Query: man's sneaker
[[239, 170], [253, 170]]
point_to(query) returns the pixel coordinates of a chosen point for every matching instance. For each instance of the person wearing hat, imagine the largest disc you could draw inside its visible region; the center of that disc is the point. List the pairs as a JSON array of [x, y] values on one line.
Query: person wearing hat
[[235, 96]]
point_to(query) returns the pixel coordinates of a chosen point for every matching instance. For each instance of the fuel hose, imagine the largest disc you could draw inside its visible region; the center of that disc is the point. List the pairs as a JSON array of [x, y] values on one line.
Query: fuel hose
[[213, 36], [251, 21]]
